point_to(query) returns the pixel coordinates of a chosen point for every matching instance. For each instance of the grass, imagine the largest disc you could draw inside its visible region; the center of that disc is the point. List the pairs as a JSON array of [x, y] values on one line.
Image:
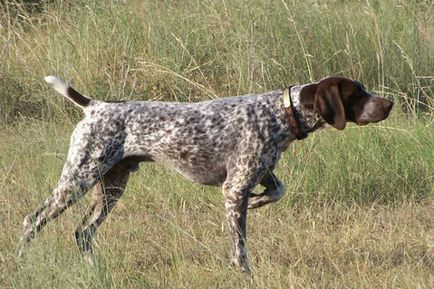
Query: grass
[[359, 207], [195, 50], [355, 215]]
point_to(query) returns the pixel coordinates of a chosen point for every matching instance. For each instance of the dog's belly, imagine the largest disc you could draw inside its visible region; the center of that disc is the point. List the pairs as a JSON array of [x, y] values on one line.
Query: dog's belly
[[214, 177], [199, 163], [200, 167], [203, 172]]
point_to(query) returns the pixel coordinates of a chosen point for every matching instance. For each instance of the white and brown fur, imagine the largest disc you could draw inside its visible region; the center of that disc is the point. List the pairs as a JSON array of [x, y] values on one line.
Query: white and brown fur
[[234, 143]]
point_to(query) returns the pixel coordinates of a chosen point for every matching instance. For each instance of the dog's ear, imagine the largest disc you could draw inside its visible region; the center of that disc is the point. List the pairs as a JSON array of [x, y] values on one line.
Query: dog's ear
[[328, 101]]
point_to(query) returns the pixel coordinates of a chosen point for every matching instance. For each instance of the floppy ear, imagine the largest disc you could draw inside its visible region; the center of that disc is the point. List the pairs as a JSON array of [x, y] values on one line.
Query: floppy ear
[[329, 102]]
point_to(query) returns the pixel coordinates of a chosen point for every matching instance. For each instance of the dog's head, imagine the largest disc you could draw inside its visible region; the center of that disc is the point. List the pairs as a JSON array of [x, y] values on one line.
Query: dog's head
[[340, 99]]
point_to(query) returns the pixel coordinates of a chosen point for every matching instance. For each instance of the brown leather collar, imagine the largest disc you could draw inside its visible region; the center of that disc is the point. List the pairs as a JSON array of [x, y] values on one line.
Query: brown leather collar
[[292, 115]]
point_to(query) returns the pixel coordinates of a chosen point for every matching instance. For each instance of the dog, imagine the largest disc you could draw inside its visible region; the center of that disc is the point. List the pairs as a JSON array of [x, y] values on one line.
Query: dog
[[234, 143]]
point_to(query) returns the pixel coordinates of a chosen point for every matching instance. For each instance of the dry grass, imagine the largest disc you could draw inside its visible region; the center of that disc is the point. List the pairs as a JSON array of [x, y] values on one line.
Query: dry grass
[[359, 206], [192, 50], [333, 229]]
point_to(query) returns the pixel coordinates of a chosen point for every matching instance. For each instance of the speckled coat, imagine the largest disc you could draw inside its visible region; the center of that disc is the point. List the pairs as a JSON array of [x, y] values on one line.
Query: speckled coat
[[231, 142]]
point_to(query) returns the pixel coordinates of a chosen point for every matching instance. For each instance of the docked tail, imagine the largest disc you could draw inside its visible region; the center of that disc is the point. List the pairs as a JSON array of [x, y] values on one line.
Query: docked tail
[[63, 88]]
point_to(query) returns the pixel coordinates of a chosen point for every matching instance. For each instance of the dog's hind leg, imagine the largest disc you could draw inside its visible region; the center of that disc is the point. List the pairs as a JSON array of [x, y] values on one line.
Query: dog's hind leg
[[104, 196], [64, 195], [77, 178]]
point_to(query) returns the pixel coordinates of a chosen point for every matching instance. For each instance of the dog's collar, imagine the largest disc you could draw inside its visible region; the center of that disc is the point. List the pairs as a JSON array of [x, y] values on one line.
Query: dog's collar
[[292, 115]]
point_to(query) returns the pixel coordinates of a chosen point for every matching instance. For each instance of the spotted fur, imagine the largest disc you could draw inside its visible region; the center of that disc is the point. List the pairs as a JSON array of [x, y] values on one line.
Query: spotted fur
[[234, 143]]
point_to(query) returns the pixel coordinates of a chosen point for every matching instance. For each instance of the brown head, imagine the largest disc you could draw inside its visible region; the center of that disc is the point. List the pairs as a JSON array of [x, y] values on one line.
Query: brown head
[[340, 99]]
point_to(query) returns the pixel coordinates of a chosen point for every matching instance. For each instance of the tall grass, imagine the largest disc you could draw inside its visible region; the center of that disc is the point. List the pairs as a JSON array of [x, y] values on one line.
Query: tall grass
[[193, 50], [358, 211]]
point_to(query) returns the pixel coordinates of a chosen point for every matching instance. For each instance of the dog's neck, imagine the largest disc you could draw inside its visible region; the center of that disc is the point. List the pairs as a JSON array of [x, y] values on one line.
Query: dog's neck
[[308, 117]]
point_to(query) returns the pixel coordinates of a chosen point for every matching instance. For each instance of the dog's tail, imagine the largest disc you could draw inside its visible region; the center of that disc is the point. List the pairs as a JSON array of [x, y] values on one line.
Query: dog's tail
[[63, 88]]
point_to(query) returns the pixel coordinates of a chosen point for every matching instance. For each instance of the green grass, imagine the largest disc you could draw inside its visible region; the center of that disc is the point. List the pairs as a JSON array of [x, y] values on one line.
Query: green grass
[[191, 50], [358, 212]]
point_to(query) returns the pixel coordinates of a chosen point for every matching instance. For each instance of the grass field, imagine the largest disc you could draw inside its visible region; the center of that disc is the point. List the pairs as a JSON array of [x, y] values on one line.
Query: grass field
[[359, 207]]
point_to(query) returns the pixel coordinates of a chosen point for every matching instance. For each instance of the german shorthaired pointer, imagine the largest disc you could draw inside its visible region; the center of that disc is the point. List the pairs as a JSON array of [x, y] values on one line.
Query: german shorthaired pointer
[[232, 142]]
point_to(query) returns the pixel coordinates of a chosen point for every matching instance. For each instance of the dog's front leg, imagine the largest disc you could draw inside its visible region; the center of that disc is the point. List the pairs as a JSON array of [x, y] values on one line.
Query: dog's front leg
[[236, 201], [273, 192]]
